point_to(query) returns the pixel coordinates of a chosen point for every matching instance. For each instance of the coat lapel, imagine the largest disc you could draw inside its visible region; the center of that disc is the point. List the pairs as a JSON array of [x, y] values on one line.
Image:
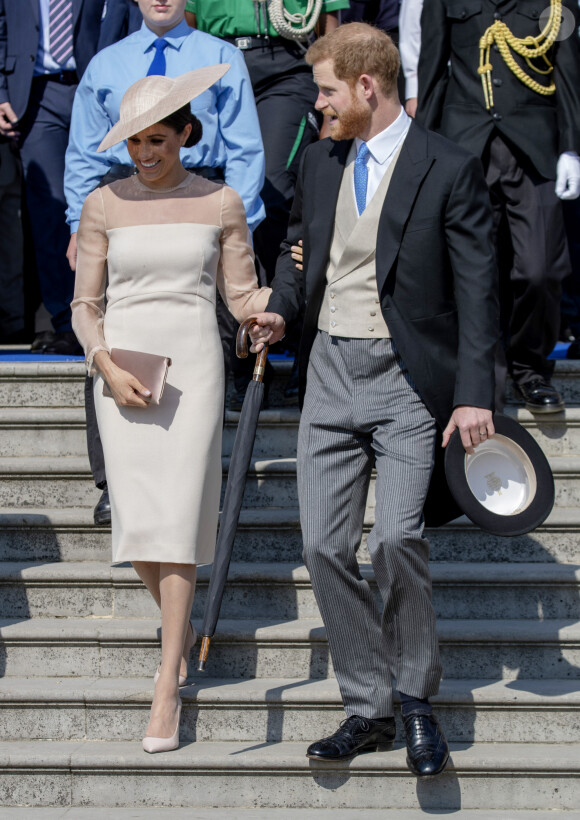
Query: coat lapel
[[412, 167], [77, 5], [35, 10]]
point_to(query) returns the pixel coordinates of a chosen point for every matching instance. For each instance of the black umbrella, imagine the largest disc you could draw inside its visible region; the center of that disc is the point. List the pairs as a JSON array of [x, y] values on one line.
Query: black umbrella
[[237, 474]]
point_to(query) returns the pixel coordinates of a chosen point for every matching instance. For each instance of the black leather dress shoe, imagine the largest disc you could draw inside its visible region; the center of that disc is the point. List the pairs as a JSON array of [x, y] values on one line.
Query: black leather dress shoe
[[573, 351], [354, 736], [102, 513], [41, 340], [541, 397], [427, 749], [63, 344]]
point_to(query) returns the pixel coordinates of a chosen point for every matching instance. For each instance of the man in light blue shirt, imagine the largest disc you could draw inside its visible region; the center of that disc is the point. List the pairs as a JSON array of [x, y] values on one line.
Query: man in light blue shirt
[[231, 133]]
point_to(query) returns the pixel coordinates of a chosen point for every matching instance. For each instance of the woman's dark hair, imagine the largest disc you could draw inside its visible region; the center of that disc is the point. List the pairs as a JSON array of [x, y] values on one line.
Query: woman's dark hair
[[179, 119]]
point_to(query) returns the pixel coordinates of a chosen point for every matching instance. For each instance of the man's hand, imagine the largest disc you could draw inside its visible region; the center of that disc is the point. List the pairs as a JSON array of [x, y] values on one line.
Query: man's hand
[[568, 175], [71, 251], [7, 120], [475, 425], [411, 106], [271, 327], [298, 255]]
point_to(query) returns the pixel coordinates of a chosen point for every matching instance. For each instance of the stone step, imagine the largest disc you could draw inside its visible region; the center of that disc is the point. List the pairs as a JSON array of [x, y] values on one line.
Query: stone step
[[277, 710], [117, 647], [60, 431], [283, 591], [79, 813], [61, 384], [278, 775], [66, 481], [68, 534]]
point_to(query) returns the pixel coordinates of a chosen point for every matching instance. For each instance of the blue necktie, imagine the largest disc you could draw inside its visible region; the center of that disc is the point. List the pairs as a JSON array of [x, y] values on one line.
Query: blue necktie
[[361, 176], [158, 65]]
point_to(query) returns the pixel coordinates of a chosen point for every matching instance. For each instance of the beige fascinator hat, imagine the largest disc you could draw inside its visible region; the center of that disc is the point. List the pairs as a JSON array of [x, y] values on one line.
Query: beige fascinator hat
[[153, 98]]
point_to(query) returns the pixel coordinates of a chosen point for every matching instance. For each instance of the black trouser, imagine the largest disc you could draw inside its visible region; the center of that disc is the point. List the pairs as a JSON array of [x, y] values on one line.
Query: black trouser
[[43, 140], [11, 243], [570, 309], [285, 94], [226, 325], [532, 258]]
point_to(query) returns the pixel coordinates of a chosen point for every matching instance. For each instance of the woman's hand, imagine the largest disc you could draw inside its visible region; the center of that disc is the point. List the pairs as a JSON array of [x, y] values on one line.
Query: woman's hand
[[125, 388], [298, 254]]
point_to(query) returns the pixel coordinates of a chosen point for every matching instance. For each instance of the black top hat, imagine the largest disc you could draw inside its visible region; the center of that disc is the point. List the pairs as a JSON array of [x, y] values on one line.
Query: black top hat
[[506, 485]]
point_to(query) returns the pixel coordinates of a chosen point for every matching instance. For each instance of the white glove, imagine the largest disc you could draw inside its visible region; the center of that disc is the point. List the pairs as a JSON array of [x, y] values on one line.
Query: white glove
[[568, 175]]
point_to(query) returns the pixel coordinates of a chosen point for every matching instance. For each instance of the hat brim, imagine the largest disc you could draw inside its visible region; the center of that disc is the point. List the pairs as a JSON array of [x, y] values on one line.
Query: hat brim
[[506, 487], [185, 88]]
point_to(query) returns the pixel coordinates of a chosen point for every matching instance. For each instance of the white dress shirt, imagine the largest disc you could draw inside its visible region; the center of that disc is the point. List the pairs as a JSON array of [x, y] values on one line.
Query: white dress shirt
[[410, 43], [382, 148]]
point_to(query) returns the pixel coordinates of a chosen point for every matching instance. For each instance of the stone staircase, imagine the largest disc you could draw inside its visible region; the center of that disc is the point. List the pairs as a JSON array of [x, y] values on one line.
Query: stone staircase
[[79, 642]]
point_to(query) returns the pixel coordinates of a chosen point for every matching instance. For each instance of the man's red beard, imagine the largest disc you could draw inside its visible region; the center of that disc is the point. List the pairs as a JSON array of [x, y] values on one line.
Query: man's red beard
[[353, 121]]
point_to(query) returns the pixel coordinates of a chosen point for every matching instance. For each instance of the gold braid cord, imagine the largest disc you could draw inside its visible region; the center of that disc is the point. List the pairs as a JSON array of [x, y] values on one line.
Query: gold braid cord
[[529, 48]]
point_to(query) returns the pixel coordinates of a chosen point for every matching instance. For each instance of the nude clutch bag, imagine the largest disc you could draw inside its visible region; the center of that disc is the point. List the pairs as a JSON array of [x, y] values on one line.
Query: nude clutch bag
[[151, 370]]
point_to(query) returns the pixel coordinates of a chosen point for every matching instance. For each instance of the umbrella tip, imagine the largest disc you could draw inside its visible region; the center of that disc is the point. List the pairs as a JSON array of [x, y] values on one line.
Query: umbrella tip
[[203, 652]]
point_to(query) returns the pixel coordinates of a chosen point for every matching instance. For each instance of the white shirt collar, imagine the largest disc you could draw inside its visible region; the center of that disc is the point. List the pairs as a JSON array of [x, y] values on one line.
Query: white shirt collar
[[384, 144]]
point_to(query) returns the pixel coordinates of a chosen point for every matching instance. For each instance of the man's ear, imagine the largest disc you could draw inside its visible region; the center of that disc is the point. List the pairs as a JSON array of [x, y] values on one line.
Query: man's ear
[[367, 85]]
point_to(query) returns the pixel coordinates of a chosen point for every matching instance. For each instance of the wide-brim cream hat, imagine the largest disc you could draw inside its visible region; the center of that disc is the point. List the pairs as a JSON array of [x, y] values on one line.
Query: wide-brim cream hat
[[153, 98]]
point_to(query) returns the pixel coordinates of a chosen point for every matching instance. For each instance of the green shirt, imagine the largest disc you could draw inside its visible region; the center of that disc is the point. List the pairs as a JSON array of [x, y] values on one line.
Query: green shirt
[[237, 18]]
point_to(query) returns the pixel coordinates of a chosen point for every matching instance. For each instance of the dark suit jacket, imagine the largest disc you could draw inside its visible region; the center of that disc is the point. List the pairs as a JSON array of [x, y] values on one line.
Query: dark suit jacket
[[452, 102], [436, 274], [122, 18], [19, 36]]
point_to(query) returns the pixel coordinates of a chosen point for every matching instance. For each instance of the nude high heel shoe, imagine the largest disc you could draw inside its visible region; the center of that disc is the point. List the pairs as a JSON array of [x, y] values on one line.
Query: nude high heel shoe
[[163, 744], [182, 679]]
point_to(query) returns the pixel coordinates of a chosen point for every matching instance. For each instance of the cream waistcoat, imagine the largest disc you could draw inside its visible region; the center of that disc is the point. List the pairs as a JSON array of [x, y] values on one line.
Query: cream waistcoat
[[351, 305]]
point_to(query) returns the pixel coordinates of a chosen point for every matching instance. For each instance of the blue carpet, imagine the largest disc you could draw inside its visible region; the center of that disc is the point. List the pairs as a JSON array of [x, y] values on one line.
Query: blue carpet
[[24, 356]]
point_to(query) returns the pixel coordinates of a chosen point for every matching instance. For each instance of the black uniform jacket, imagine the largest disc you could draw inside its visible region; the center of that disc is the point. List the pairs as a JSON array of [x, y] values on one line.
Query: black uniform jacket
[[452, 100], [436, 276]]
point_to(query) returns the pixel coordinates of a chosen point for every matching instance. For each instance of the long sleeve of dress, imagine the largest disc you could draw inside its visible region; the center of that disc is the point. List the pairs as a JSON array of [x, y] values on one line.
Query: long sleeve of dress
[[236, 276], [88, 305]]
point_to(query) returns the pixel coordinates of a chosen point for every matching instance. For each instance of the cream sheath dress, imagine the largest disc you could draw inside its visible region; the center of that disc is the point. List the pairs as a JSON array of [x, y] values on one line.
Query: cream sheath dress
[[164, 252]]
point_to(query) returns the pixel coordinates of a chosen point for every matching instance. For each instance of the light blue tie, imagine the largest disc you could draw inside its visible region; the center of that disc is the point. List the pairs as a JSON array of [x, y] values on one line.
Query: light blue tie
[[158, 65], [361, 177]]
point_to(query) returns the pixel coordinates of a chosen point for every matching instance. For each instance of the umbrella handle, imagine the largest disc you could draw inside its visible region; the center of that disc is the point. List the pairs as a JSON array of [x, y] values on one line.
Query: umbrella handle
[[242, 349]]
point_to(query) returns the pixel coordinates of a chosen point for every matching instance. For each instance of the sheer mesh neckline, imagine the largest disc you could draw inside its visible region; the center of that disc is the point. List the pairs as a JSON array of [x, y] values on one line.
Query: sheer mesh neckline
[[150, 190]]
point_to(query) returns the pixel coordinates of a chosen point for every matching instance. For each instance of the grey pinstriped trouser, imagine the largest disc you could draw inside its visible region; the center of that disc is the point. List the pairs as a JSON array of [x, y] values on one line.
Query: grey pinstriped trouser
[[361, 407]]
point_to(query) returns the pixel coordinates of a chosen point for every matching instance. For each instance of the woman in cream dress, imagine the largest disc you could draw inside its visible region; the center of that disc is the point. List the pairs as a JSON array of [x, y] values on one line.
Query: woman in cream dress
[[164, 239]]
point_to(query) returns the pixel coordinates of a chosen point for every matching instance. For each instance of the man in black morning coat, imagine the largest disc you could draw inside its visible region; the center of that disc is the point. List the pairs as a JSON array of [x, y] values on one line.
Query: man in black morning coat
[[528, 141], [398, 343]]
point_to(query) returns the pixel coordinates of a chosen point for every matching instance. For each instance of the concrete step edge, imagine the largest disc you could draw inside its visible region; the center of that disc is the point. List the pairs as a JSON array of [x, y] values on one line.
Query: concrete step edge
[[520, 695], [274, 416], [67, 416], [561, 518], [286, 757], [190, 813], [284, 574], [73, 466], [304, 631], [562, 466]]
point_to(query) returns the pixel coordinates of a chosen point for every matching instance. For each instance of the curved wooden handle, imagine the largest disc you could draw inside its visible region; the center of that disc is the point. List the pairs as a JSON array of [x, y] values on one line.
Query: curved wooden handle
[[242, 349]]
